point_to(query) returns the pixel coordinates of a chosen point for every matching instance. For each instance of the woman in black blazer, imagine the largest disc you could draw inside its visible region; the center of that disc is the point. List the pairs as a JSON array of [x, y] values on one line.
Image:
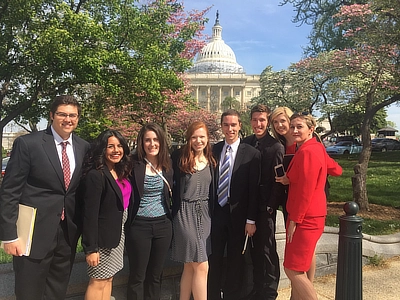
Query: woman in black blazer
[[107, 193], [149, 229]]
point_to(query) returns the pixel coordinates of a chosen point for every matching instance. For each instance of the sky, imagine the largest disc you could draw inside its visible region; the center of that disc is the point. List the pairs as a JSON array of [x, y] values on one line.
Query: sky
[[261, 34]]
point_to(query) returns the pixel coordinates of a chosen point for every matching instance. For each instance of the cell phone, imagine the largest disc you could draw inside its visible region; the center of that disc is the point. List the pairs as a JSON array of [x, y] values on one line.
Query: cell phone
[[279, 170]]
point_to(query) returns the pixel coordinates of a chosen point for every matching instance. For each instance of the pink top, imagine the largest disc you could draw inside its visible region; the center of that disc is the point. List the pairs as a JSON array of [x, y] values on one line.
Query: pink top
[[126, 190]]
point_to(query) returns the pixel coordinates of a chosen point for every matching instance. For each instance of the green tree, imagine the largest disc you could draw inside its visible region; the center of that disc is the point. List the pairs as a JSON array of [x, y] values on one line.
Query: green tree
[[350, 122], [120, 51], [366, 75], [294, 88], [325, 35], [246, 123], [46, 48], [230, 103]]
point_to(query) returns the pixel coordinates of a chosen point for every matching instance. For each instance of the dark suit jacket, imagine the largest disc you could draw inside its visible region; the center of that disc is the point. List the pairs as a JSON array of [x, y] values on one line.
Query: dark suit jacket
[[179, 184], [34, 177], [272, 152], [137, 180], [103, 211], [244, 184]]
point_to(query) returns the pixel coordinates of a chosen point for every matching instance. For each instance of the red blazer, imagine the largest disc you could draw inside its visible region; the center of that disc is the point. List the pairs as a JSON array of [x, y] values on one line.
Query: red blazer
[[307, 175]]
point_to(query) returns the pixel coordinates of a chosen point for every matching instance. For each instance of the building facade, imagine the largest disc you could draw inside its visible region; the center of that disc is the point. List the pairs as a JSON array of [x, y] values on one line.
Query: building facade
[[216, 75]]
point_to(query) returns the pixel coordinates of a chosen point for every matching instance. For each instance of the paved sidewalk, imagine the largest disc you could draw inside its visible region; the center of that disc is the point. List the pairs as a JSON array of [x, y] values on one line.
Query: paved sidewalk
[[379, 283]]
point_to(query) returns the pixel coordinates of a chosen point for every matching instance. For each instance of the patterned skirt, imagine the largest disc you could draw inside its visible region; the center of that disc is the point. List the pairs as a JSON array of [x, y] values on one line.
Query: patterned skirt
[[111, 260], [192, 232]]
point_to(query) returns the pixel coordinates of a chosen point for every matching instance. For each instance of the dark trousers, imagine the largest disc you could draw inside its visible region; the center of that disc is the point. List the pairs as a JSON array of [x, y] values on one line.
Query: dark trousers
[[266, 271], [47, 278], [147, 244], [223, 235]]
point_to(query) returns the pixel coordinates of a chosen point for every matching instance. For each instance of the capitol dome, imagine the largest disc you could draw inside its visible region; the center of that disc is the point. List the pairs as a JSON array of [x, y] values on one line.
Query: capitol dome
[[216, 56]]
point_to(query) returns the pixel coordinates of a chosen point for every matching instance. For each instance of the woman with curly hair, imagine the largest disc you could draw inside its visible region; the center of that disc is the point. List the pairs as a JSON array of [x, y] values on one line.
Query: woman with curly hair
[[107, 193]]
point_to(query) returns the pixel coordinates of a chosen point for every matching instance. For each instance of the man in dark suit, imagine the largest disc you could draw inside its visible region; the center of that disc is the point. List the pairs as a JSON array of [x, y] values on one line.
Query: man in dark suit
[[35, 177], [235, 208], [266, 270]]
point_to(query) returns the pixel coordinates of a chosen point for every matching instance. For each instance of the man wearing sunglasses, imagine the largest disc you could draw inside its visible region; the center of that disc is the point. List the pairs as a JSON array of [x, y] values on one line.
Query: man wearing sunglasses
[[43, 172]]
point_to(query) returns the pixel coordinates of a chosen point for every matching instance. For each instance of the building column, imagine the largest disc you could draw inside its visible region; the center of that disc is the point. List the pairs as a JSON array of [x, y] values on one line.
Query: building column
[[242, 98], [219, 108], [197, 95], [208, 98]]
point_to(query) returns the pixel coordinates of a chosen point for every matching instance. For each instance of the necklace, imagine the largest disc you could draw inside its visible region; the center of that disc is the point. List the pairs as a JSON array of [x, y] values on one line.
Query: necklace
[[200, 164]]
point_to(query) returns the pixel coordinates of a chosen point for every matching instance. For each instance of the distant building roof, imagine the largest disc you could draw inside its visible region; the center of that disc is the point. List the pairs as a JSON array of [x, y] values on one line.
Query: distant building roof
[[388, 129]]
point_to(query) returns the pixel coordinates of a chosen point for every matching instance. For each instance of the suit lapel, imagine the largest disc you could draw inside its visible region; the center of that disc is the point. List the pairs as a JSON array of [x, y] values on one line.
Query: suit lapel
[[50, 148], [238, 159], [218, 149], [139, 170], [113, 184]]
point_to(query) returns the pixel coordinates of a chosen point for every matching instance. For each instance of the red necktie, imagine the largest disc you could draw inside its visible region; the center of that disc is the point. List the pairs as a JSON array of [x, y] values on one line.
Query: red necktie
[[65, 164], [66, 170]]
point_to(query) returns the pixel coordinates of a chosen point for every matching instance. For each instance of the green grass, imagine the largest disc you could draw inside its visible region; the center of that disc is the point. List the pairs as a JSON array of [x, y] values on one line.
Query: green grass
[[383, 179], [383, 188], [4, 258], [370, 226], [377, 261]]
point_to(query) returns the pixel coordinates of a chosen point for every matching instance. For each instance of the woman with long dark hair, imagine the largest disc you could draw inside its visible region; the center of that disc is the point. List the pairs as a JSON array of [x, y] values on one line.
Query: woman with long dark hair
[[193, 193], [106, 195], [149, 229]]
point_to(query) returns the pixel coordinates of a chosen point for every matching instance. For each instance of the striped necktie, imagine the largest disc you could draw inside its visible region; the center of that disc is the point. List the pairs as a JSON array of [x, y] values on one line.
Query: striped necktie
[[223, 184]]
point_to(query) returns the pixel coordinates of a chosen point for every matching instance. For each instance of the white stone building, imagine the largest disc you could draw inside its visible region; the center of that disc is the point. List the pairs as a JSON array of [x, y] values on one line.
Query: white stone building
[[216, 75]]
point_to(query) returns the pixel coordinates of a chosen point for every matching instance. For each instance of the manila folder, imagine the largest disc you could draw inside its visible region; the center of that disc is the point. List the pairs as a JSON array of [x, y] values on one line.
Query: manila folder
[[25, 226]]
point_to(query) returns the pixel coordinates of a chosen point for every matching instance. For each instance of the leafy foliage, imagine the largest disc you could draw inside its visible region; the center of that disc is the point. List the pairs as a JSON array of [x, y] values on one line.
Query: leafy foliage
[[111, 51], [360, 74]]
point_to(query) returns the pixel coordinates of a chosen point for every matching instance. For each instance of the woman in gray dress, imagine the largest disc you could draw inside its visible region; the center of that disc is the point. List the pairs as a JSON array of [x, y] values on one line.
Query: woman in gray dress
[[193, 189]]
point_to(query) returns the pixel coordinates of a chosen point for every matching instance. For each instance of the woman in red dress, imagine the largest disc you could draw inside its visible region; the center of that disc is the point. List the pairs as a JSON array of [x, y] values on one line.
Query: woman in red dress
[[306, 204]]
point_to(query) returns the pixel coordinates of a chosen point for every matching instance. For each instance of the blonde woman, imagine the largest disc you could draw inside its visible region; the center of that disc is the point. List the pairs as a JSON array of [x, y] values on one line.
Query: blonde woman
[[280, 125]]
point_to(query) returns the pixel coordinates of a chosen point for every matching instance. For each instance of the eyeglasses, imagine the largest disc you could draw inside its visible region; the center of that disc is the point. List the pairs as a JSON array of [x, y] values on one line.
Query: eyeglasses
[[64, 115]]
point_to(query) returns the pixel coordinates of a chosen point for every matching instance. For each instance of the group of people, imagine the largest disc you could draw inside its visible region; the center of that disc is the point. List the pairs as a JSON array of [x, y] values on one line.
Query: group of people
[[204, 202]]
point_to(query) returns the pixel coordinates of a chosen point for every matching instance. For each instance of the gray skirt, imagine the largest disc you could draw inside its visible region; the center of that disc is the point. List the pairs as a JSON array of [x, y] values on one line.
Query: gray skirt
[[192, 228]]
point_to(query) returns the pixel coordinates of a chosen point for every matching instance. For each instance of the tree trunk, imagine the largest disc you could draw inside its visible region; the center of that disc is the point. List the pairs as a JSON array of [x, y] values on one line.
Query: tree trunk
[[359, 188], [359, 180]]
